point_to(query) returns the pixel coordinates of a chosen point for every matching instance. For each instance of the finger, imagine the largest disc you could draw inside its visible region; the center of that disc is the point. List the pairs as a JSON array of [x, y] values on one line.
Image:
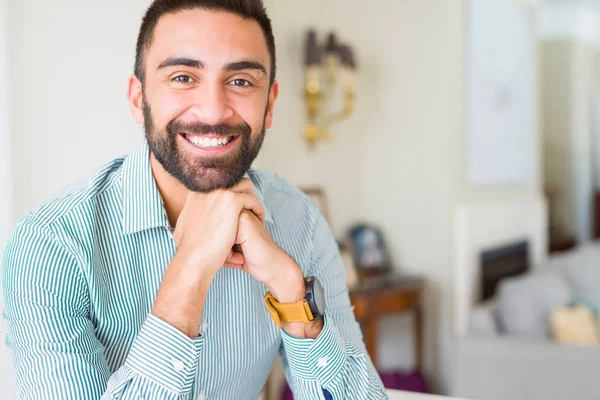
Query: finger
[[234, 266], [253, 219], [236, 258], [244, 186], [251, 203], [248, 225], [252, 216]]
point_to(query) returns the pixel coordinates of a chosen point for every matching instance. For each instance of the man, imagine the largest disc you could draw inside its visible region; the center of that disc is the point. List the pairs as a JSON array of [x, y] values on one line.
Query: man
[[105, 300]]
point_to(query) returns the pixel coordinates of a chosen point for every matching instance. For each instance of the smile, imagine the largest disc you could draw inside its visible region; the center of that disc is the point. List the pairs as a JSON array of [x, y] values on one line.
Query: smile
[[207, 142]]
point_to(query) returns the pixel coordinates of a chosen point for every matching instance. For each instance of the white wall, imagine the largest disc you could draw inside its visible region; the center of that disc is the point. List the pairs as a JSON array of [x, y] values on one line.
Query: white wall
[[6, 379], [575, 19], [69, 114], [5, 153]]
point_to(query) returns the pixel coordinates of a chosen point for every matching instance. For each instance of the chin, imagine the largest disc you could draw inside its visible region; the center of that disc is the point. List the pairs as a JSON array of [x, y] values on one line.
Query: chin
[[211, 179]]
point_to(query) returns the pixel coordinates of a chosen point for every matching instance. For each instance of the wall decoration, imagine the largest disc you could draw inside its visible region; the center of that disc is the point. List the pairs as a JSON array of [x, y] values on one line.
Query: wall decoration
[[326, 66], [501, 143]]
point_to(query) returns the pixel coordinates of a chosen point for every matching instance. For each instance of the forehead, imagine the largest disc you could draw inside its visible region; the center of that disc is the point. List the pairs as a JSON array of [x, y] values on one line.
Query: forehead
[[215, 38]]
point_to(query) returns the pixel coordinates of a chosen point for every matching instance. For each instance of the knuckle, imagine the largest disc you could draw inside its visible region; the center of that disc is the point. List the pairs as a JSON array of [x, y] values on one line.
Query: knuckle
[[247, 184], [228, 195]]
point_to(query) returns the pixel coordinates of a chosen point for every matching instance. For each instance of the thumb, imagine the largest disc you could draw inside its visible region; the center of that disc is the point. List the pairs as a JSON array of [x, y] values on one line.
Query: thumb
[[244, 225]]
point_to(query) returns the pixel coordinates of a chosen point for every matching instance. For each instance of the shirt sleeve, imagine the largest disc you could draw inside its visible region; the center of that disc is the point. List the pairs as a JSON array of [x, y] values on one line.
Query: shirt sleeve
[[336, 360], [55, 352]]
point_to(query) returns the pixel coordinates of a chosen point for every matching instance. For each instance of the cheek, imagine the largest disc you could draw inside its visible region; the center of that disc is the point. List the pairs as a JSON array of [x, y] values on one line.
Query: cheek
[[168, 106], [251, 110]]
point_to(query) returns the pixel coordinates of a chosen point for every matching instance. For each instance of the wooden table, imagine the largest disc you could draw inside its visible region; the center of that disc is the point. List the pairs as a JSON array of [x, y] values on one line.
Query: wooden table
[[380, 296]]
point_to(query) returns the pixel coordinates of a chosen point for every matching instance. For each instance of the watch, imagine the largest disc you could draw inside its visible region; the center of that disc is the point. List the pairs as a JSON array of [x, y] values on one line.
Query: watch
[[306, 310]]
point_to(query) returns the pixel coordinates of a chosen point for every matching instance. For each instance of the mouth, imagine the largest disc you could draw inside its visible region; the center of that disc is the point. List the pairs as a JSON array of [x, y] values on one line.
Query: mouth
[[209, 141], [209, 144]]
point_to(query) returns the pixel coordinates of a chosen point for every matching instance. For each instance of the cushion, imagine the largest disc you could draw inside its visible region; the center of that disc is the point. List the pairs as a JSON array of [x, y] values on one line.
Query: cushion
[[482, 320], [525, 303], [581, 268], [574, 325]]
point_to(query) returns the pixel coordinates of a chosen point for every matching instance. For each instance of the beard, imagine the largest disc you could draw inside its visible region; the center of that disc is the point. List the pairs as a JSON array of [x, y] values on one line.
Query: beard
[[202, 174]]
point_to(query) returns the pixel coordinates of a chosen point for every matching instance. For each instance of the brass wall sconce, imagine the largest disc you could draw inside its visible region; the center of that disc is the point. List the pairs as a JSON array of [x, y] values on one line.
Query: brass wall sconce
[[325, 68]]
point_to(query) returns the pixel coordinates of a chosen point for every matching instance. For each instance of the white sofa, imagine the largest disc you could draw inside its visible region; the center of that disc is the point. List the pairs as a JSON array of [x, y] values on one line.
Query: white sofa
[[508, 352], [513, 369]]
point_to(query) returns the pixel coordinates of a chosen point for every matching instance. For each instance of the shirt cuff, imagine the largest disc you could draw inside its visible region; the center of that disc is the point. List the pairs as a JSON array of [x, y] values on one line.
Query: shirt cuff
[[165, 355], [320, 359]]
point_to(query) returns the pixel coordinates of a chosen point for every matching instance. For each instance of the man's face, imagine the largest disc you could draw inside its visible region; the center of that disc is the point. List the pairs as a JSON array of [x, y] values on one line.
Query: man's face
[[206, 97]]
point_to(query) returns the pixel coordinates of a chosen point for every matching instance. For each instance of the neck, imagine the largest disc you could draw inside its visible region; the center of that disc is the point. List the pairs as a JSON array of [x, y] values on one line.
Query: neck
[[173, 193]]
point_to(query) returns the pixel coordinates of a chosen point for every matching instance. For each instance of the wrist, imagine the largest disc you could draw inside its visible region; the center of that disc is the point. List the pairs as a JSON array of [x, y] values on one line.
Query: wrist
[[288, 286], [301, 330], [180, 299], [197, 265]]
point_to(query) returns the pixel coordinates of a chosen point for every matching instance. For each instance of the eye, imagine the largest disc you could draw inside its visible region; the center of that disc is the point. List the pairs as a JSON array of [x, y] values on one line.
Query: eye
[[240, 83], [182, 79]]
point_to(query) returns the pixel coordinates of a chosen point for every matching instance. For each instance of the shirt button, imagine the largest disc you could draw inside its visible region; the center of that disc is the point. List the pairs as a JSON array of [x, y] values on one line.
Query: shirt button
[[201, 397], [203, 327], [322, 362], [178, 365]]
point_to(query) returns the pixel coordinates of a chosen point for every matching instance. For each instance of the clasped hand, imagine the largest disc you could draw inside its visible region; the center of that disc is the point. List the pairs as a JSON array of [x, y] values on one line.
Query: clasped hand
[[226, 228]]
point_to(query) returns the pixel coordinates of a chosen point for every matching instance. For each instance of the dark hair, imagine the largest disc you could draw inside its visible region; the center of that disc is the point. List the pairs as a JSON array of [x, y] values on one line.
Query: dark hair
[[247, 9]]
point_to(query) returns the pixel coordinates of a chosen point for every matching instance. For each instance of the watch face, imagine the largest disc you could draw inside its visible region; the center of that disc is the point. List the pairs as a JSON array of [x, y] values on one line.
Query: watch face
[[317, 301]]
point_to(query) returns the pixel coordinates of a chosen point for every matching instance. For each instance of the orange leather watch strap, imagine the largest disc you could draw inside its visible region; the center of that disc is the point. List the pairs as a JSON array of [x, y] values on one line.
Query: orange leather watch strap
[[288, 312]]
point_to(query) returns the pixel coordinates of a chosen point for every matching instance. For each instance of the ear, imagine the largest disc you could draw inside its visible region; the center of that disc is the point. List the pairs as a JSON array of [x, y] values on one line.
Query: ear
[[134, 96], [271, 104]]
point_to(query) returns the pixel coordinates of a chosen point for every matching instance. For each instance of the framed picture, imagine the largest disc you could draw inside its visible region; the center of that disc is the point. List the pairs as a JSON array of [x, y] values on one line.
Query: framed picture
[[317, 194]]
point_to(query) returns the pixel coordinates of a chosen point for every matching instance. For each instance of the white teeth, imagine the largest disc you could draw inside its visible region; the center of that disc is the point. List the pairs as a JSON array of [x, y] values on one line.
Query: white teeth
[[208, 142]]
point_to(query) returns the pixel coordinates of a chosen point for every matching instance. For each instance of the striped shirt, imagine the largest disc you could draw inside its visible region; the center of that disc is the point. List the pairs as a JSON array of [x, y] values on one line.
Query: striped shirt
[[81, 272]]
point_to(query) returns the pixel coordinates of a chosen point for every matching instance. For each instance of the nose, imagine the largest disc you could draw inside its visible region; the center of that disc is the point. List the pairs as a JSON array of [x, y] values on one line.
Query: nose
[[211, 104]]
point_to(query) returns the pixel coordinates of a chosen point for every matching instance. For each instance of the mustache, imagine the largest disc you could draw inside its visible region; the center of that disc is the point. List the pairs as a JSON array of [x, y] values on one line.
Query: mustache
[[200, 128]]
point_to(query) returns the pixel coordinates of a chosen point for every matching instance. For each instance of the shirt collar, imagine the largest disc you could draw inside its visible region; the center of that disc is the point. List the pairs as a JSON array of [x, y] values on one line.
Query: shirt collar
[[143, 207]]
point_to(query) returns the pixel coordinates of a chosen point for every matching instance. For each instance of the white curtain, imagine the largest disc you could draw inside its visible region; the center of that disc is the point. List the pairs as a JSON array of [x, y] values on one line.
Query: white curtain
[[6, 218]]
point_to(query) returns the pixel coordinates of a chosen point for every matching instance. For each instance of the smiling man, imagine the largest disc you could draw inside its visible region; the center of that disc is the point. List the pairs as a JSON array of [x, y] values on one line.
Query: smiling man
[[178, 272]]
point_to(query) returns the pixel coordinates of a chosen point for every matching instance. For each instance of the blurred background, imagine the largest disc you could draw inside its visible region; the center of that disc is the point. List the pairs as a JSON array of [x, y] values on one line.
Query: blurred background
[[462, 183]]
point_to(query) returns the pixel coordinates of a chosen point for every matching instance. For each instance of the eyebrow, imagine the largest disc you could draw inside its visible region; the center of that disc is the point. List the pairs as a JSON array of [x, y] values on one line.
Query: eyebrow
[[231, 67], [245, 64], [181, 62]]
